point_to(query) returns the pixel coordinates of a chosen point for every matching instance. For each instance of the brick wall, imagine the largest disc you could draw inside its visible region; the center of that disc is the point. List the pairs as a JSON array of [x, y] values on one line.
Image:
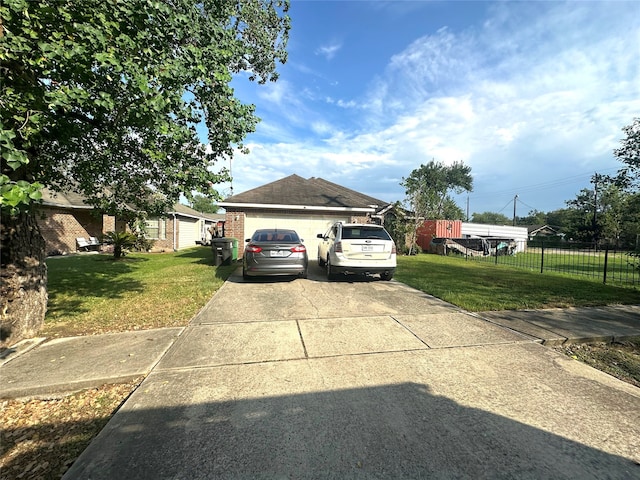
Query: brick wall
[[234, 227], [60, 227], [166, 244], [362, 219]]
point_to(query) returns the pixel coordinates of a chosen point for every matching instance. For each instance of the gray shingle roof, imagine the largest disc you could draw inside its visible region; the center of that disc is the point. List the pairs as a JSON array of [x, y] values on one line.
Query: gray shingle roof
[[75, 200], [315, 192], [190, 212], [65, 200]]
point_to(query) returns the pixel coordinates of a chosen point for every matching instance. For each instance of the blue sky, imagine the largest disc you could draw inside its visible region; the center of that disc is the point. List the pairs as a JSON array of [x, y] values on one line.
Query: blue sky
[[531, 95]]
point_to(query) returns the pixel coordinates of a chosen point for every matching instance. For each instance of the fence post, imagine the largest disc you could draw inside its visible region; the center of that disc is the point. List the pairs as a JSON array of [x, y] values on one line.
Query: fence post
[[606, 258], [542, 256]]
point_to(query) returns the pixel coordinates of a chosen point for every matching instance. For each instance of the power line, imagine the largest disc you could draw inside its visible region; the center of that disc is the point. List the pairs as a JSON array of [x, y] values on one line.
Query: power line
[[543, 185], [532, 208], [508, 203]]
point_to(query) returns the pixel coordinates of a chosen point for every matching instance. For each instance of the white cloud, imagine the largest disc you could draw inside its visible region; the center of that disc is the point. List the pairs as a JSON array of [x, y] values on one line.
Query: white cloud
[[538, 92], [329, 51]]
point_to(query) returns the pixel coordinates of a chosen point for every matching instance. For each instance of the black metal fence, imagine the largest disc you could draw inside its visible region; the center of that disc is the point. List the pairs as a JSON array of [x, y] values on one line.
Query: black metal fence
[[609, 264]]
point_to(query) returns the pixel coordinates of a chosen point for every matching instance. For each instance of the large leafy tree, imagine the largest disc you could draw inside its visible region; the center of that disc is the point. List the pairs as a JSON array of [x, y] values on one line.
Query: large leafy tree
[[428, 192], [103, 98], [204, 204], [491, 218], [629, 154], [603, 218]]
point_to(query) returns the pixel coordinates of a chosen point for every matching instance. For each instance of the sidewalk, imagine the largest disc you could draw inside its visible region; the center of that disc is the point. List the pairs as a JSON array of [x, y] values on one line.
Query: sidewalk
[[37, 368], [40, 368], [556, 326]]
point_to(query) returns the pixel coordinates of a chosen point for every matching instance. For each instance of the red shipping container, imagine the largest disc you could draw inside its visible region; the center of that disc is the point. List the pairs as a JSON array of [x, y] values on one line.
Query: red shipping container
[[431, 229]]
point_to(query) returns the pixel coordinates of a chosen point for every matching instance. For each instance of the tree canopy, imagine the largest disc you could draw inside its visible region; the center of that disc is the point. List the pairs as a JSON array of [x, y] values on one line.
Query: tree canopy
[[629, 155], [428, 190], [103, 97], [429, 186], [491, 218], [204, 204]]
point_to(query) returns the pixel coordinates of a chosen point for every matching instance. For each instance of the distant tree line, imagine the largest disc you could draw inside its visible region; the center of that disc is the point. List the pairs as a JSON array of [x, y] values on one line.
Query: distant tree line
[[615, 221]]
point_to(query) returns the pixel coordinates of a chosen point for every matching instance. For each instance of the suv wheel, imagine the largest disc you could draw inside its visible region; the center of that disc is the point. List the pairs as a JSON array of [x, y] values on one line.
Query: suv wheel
[[330, 273], [386, 276], [321, 262]]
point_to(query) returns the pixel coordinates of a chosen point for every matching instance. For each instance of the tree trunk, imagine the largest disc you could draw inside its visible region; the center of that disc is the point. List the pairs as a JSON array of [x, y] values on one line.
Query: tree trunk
[[23, 279]]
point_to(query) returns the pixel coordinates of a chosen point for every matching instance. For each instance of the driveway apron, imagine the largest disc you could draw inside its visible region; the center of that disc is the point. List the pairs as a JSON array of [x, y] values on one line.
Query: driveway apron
[[363, 379]]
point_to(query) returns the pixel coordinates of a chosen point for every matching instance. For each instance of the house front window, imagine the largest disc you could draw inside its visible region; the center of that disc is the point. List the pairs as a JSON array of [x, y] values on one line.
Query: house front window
[[156, 228]]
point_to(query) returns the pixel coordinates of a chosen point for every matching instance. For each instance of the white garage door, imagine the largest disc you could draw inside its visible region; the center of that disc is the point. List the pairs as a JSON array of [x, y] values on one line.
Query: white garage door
[[188, 232], [307, 226]]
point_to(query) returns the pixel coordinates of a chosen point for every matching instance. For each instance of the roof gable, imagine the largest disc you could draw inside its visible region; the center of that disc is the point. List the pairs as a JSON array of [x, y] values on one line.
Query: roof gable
[[314, 192]]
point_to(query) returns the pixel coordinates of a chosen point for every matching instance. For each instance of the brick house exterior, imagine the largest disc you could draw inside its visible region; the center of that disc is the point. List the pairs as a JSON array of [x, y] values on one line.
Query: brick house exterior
[[63, 218]]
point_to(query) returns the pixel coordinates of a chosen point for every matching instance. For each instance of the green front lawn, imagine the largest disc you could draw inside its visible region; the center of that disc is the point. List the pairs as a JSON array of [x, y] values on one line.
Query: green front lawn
[[479, 286], [91, 294]]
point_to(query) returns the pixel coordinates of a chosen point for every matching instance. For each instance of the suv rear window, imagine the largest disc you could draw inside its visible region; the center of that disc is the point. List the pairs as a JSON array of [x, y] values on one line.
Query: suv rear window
[[349, 233]]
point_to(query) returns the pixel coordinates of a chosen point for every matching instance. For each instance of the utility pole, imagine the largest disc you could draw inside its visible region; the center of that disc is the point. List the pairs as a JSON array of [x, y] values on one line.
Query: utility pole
[[467, 207], [515, 199], [596, 178]]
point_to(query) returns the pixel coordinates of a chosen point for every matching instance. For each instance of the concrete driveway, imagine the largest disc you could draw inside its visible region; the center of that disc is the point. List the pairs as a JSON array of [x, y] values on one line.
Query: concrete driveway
[[363, 379]]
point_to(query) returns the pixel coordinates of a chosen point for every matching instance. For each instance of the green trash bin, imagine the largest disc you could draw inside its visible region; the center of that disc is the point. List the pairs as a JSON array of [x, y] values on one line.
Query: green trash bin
[[234, 250]]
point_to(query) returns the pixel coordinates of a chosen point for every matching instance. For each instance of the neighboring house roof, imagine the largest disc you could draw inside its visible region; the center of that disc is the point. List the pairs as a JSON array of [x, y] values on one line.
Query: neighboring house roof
[[180, 209], [542, 229], [295, 192], [77, 201], [64, 200]]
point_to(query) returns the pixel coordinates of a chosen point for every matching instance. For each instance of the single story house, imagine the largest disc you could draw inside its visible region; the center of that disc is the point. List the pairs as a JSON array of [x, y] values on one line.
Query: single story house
[[543, 231], [65, 217], [308, 206]]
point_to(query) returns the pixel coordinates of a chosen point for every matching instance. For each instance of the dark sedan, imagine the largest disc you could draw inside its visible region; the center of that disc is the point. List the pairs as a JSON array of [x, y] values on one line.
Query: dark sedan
[[275, 252]]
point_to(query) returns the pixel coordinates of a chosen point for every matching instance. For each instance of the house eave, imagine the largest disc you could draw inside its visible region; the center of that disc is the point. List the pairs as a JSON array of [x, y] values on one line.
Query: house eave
[[272, 206], [71, 207], [186, 215]]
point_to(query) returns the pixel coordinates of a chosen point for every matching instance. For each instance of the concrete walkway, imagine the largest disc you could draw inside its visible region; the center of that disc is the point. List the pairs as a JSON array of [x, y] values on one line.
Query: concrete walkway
[[311, 379]]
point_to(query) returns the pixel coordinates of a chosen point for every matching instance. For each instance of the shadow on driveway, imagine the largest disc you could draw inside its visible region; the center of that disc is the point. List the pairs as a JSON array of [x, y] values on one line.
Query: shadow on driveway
[[390, 431]]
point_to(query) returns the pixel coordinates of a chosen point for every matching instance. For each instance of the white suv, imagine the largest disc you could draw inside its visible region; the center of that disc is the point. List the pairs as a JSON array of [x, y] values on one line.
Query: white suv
[[357, 248]]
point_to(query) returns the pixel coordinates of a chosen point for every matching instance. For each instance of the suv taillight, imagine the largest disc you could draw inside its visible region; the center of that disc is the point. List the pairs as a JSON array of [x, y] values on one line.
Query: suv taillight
[[393, 248], [299, 249], [337, 247], [253, 248]]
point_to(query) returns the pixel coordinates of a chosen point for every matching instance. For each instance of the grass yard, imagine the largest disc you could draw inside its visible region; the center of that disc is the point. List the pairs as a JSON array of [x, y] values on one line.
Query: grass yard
[[91, 294], [480, 286], [620, 266]]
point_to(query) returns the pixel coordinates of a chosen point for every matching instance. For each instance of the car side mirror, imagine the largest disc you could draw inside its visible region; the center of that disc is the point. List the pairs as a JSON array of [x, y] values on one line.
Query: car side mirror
[[248, 240], [320, 235]]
